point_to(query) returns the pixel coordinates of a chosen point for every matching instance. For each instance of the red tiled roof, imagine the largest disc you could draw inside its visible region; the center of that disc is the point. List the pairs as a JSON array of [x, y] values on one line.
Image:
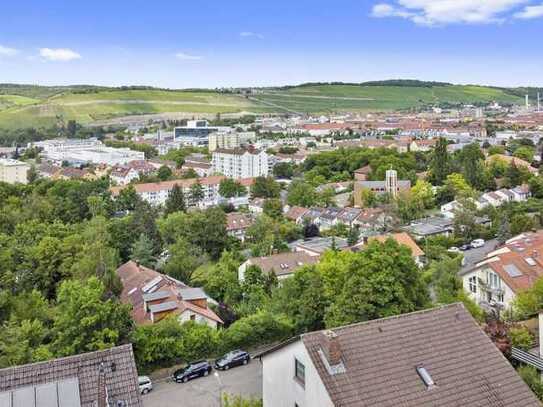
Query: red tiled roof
[[295, 212], [403, 239], [167, 185]]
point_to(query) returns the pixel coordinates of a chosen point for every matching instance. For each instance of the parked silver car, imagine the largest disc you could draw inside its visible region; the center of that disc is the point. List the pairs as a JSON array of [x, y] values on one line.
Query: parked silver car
[[145, 384]]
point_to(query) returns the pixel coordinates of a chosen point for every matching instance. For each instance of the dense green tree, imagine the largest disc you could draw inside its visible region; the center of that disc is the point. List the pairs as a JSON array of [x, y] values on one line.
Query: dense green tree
[[273, 208], [301, 193], [229, 188], [184, 258], [440, 162], [196, 193], [380, 281], [164, 173], [203, 228], [283, 170], [302, 299], [265, 187], [471, 162], [175, 201], [128, 199], [86, 321], [142, 251]]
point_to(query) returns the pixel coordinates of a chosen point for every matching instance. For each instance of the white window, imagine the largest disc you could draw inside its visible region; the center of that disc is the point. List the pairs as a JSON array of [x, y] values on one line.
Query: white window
[[299, 371], [492, 280], [473, 284]]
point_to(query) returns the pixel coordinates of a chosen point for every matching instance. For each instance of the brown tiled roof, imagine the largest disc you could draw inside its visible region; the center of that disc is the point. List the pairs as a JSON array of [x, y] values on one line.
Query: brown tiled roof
[[134, 277], [380, 359], [403, 239], [120, 375], [237, 221], [283, 263], [295, 212]]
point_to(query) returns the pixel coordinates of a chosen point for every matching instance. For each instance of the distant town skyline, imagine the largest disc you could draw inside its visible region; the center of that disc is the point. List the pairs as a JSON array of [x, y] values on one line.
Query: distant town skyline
[[219, 44]]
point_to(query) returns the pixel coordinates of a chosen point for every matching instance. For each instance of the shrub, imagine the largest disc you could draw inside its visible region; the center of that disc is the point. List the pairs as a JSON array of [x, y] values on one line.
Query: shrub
[[521, 338], [258, 329], [531, 376]]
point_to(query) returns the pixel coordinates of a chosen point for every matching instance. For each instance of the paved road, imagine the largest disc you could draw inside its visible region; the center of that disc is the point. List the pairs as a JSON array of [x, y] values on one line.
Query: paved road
[[204, 391], [475, 255]]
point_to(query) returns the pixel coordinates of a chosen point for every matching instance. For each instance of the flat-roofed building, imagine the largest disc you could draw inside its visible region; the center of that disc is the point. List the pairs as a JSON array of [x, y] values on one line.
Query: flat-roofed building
[[13, 171]]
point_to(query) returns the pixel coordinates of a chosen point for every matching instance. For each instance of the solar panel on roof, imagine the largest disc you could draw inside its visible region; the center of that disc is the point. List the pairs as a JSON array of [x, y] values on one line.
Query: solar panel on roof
[[512, 270]]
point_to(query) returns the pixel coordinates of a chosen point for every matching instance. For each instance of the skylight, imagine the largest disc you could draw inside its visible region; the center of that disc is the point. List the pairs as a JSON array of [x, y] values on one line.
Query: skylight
[[530, 261], [426, 378]]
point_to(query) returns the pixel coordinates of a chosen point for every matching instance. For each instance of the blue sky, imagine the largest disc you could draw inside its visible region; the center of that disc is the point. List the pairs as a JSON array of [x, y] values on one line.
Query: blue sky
[[210, 43]]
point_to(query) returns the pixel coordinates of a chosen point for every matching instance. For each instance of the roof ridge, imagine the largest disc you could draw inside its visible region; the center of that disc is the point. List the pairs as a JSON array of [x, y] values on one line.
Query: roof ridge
[[399, 316], [81, 356]]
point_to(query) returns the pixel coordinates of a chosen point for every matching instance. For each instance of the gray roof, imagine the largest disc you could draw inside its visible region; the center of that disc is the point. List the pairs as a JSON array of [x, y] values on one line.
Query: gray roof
[[72, 381], [320, 244], [157, 295], [163, 306], [195, 293], [382, 359]]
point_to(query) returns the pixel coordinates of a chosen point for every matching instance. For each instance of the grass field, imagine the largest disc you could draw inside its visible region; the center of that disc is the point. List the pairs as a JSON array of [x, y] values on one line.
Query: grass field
[[89, 107], [328, 98], [28, 105]]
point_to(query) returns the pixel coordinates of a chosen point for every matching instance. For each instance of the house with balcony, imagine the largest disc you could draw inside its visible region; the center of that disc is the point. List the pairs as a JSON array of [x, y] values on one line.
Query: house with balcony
[[516, 266]]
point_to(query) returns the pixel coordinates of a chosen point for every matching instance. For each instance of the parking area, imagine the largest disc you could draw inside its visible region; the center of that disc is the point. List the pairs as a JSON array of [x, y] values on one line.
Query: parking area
[[205, 391], [473, 256]]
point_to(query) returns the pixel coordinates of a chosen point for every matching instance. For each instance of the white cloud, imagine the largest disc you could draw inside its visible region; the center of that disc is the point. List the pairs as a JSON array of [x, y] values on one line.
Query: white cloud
[[59, 54], [530, 12], [8, 52], [247, 34], [443, 12], [188, 57]]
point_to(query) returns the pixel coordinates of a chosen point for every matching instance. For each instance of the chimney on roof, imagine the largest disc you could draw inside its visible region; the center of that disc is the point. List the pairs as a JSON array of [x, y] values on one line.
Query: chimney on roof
[[332, 348]]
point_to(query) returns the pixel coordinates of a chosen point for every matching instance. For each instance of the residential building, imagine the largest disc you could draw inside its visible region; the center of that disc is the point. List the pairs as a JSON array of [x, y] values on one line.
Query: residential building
[[435, 357], [156, 193], [296, 214], [94, 379], [155, 296], [13, 171], [224, 140], [240, 163], [237, 224], [315, 246], [429, 227], [86, 151], [282, 264], [506, 271], [123, 175]]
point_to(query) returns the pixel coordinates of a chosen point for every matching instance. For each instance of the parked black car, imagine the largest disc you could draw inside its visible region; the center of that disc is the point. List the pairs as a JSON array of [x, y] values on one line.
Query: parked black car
[[191, 371], [465, 247], [231, 359]]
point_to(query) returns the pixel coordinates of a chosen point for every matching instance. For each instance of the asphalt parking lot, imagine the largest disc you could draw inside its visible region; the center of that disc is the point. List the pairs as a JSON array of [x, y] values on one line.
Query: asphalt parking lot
[[205, 391], [473, 256]]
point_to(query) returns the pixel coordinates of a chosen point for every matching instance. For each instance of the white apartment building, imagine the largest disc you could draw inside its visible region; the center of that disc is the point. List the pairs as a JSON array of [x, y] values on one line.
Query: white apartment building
[[13, 171], [156, 193], [86, 151], [223, 140], [240, 163]]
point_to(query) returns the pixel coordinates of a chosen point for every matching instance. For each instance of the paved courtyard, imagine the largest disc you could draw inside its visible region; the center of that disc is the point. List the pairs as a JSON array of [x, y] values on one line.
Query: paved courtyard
[[204, 391]]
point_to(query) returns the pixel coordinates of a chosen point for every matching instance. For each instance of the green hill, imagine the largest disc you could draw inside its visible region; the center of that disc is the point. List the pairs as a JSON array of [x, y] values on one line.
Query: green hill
[[36, 106], [379, 96]]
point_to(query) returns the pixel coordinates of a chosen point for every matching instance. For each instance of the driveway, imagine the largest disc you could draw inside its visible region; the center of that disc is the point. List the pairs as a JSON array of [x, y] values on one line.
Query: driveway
[[204, 391], [473, 256]]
